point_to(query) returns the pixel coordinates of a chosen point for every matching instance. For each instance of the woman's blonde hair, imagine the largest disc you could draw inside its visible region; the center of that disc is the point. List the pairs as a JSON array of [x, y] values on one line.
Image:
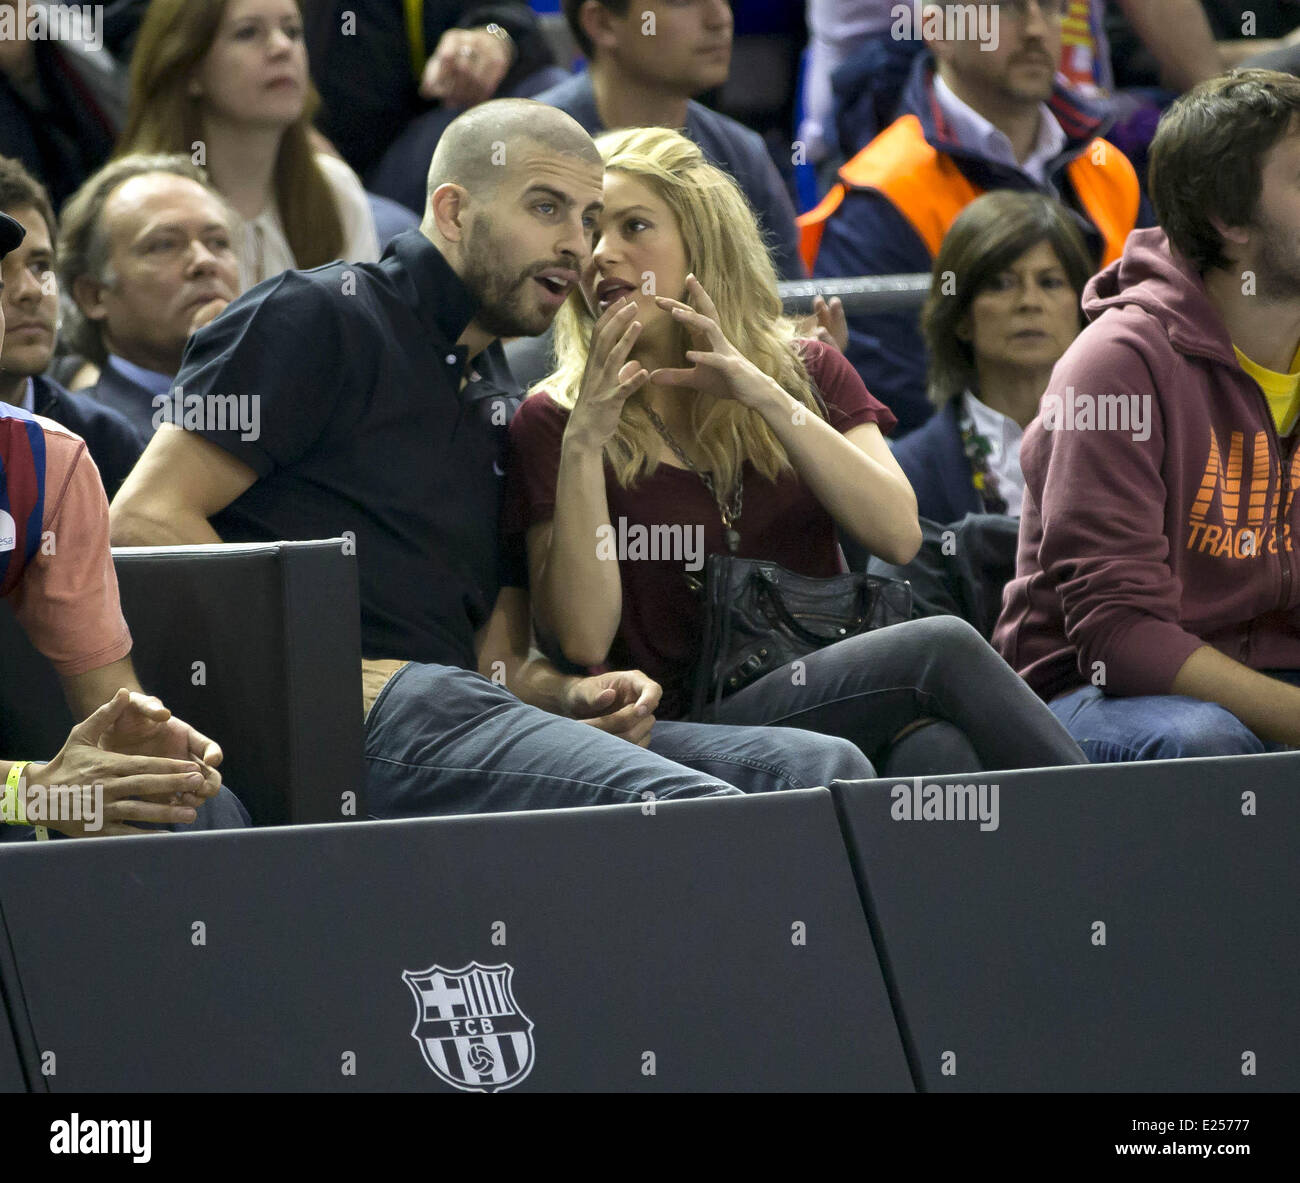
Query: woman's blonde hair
[[162, 116], [725, 250]]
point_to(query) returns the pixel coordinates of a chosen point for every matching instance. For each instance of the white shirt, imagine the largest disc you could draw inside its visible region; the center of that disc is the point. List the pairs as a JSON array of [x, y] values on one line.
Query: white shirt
[[1004, 435], [975, 132], [266, 251]]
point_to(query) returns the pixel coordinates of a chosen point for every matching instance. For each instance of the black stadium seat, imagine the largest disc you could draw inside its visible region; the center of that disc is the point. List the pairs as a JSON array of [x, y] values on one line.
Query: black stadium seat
[[256, 645], [712, 944], [1002, 978]]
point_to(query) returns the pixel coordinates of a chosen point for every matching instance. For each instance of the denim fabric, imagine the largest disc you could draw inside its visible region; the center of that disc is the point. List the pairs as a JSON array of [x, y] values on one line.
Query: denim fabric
[[441, 740], [1155, 727], [869, 688]]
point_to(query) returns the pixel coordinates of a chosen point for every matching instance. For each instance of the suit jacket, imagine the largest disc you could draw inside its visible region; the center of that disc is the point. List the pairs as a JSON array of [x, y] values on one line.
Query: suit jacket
[[936, 466], [114, 445], [130, 400]]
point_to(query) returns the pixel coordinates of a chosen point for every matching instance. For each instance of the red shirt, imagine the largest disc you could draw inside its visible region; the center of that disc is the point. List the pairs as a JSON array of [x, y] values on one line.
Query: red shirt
[[662, 620]]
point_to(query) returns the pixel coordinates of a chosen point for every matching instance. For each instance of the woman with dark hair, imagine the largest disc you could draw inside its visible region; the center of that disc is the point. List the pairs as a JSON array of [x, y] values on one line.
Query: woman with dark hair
[[225, 82], [1003, 307]]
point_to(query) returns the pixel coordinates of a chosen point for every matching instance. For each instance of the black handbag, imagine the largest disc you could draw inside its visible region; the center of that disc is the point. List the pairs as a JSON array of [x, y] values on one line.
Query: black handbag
[[758, 616]]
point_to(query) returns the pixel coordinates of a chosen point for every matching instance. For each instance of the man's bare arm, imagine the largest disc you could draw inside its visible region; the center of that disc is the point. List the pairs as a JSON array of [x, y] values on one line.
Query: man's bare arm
[[177, 485], [1179, 36], [87, 692], [1271, 709]]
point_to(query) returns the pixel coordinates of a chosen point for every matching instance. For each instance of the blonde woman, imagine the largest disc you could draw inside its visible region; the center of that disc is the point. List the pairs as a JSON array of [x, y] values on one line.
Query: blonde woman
[[682, 398], [227, 79]]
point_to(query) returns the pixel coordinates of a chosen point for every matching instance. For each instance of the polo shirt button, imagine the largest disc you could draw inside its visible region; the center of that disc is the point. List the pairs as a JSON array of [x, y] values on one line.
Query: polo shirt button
[[451, 359]]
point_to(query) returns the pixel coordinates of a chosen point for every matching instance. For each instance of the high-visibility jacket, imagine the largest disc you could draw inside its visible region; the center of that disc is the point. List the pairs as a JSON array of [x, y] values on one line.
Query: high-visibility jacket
[[929, 190]]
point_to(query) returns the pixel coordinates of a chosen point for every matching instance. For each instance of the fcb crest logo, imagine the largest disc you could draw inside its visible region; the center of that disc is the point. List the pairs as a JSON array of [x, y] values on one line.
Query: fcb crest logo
[[470, 1030]]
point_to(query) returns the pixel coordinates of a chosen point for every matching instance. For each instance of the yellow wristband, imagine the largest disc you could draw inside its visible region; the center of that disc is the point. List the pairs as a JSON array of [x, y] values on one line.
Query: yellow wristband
[[15, 804]]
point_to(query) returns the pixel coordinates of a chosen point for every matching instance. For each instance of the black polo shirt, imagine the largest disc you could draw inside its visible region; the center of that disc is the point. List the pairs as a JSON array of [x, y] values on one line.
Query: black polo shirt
[[363, 427]]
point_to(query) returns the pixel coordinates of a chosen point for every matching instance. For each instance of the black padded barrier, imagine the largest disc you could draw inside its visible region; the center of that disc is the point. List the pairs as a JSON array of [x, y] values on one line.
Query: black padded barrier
[[711, 945], [1000, 977], [257, 645]]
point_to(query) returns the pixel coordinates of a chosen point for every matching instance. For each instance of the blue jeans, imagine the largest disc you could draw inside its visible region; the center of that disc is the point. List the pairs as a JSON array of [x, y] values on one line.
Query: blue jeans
[[1156, 727], [870, 687], [441, 740]]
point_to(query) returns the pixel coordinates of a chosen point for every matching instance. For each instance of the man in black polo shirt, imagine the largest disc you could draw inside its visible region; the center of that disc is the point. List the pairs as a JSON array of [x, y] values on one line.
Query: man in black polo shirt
[[371, 402]]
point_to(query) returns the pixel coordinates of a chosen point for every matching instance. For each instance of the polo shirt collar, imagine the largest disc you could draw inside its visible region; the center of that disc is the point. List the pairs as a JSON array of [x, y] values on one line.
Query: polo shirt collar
[[443, 302]]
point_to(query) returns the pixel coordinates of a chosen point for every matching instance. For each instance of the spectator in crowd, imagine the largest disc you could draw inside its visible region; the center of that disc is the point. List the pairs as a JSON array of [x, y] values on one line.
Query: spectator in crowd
[[386, 432], [62, 101], [1003, 307], [394, 73], [859, 54], [751, 441], [976, 119], [147, 250], [1157, 584], [30, 303], [56, 575], [226, 83], [641, 75]]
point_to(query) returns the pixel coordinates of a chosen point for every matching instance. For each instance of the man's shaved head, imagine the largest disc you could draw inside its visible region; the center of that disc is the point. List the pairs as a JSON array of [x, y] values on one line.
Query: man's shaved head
[[479, 148]]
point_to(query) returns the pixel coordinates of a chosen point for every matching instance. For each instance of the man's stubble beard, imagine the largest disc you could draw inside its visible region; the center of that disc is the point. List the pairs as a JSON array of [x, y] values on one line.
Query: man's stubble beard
[[1277, 270], [502, 303]]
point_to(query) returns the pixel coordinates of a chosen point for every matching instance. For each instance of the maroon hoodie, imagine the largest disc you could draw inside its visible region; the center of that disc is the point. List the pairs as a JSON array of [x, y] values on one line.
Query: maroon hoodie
[[1159, 505]]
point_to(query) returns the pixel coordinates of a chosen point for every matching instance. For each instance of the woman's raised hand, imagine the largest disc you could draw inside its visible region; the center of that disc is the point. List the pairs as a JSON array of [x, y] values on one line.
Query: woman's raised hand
[[718, 368], [609, 378]]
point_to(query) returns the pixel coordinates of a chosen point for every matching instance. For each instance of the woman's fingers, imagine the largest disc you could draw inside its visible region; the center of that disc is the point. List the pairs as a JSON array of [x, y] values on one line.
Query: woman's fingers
[[610, 326], [700, 298]]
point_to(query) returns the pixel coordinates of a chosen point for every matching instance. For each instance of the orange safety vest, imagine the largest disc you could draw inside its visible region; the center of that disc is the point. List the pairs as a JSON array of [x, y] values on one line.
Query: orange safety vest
[[929, 190]]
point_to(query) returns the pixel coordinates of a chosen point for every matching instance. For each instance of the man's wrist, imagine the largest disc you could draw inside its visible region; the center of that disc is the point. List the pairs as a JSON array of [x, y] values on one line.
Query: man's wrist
[[503, 36]]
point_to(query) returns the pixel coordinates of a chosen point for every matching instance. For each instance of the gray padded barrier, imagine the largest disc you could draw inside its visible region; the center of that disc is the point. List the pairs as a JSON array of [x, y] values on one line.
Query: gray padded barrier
[[989, 938], [531, 358], [257, 645], [712, 944]]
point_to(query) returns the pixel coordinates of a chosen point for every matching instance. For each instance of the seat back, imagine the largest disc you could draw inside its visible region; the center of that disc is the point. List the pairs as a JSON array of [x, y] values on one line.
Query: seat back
[[1108, 927], [256, 645], [695, 945]]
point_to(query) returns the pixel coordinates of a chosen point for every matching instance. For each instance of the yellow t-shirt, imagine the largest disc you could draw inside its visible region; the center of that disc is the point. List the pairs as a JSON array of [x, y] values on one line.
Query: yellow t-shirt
[[1281, 390]]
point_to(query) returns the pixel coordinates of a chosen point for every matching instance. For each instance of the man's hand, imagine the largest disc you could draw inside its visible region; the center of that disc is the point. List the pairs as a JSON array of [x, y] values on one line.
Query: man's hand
[[466, 68], [827, 323], [144, 787], [207, 313], [621, 702], [147, 728]]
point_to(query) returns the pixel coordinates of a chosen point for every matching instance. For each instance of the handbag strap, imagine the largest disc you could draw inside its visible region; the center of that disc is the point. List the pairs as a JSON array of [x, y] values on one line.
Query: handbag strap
[[775, 603]]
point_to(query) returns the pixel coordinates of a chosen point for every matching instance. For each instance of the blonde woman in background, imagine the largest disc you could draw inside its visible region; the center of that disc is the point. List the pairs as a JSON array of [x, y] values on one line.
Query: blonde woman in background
[[683, 399]]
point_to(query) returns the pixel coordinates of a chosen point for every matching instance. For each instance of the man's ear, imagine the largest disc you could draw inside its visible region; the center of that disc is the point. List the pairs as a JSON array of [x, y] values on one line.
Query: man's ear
[[597, 22], [1235, 235], [449, 207], [88, 293]]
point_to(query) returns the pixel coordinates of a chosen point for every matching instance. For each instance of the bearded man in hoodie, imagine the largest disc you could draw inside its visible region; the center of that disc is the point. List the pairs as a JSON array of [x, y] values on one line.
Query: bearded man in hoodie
[[1156, 604]]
